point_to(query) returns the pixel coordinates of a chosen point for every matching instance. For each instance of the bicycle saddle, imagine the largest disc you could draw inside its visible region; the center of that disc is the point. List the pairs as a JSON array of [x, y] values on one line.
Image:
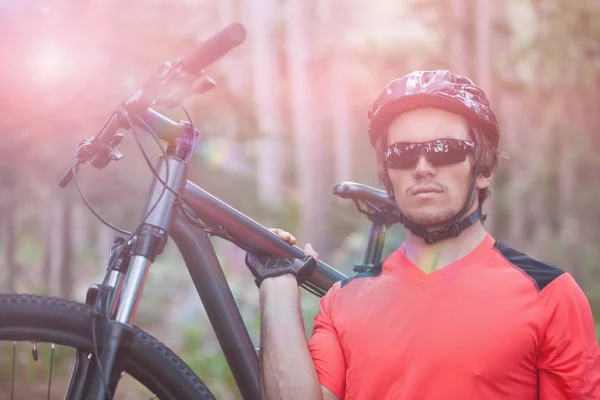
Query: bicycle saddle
[[380, 205]]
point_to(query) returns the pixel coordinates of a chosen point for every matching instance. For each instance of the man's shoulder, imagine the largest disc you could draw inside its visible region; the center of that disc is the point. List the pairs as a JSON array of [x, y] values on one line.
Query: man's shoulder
[[355, 289], [370, 273], [540, 272]]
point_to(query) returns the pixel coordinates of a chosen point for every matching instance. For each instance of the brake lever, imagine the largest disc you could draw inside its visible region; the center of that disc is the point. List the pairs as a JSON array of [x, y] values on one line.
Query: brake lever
[[83, 156], [108, 153], [99, 154]]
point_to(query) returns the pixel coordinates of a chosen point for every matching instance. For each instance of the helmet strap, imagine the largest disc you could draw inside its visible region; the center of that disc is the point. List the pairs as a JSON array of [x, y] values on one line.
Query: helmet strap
[[454, 227]]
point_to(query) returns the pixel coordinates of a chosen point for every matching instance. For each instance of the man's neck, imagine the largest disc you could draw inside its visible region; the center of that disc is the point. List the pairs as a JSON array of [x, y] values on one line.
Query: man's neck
[[431, 257]]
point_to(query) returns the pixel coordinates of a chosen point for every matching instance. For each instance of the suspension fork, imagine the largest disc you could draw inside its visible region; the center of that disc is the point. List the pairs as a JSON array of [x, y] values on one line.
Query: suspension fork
[[101, 297], [117, 301]]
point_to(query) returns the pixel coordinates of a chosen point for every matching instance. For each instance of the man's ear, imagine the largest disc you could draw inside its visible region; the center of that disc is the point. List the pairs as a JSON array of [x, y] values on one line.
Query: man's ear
[[483, 181]]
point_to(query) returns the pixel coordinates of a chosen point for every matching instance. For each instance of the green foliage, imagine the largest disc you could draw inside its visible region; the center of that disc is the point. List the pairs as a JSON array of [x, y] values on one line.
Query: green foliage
[[209, 364]]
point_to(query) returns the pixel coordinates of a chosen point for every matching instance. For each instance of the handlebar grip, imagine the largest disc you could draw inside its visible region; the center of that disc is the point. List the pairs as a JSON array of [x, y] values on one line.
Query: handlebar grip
[[214, 48]]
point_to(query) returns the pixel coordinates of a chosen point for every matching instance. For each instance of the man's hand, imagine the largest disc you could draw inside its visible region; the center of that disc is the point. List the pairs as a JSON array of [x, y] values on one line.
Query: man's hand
[[264, 267], [288, 237]]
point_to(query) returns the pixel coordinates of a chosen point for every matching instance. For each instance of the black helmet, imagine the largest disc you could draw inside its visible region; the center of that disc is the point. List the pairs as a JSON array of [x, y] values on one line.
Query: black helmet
[[438, 89], [443, 90]]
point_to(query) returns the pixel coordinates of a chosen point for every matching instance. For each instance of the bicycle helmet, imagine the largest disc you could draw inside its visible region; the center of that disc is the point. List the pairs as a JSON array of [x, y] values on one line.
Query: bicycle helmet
[[439, 89], [444, 90]]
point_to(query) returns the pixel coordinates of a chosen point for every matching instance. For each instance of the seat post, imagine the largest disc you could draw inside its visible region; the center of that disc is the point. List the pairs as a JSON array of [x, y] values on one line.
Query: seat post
[[375, 244]]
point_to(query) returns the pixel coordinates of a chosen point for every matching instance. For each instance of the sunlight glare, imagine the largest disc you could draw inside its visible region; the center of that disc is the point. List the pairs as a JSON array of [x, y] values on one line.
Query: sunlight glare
[[50, 63]]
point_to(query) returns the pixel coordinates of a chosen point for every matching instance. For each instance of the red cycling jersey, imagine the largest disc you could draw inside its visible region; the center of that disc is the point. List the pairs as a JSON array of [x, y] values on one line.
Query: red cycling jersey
[[495, 324]]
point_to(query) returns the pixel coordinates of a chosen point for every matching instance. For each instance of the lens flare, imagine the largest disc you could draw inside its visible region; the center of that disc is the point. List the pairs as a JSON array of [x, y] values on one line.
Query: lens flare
[[50, 63]]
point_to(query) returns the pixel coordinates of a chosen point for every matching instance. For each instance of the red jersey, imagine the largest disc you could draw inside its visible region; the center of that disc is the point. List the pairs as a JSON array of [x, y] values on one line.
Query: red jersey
[[495, 324]]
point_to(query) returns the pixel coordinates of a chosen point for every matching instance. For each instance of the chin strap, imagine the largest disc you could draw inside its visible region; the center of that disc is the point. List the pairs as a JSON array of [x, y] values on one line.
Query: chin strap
[[454, 228]]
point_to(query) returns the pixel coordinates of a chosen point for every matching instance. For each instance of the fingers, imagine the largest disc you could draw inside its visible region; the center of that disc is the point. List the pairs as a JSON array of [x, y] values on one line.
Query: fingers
[[288, 237], [309, 251]]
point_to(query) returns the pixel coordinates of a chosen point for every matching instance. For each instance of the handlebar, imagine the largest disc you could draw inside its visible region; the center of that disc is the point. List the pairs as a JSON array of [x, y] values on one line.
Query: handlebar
[[213, 48]]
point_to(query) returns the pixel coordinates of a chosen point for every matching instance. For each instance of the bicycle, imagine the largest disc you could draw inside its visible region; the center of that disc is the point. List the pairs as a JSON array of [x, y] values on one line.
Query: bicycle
[[101, 330]]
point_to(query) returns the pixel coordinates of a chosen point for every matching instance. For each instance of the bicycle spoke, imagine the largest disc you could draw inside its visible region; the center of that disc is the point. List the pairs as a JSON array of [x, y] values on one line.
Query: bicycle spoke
[[34, 350], [51, 363], [12, 388]]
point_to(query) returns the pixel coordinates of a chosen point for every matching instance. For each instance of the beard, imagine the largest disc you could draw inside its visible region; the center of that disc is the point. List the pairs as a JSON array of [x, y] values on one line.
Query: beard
[[431, 221], [438, 219]]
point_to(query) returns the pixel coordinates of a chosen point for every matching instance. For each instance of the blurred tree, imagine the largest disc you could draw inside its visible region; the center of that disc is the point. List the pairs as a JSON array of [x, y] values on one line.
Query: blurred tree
[[311, 165], [263, 26], [335, 18], [289, 119]]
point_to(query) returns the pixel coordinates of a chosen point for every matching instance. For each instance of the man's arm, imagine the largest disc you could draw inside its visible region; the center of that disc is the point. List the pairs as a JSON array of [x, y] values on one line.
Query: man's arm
[[569, 360], [287, 369]]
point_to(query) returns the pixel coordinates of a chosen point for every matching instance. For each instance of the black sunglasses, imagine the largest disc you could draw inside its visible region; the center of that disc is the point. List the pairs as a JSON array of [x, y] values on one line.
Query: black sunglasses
[[404, 155]]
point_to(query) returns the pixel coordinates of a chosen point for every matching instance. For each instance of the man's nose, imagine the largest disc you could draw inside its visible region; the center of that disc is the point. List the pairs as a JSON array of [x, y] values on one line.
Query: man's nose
[[423, 167]]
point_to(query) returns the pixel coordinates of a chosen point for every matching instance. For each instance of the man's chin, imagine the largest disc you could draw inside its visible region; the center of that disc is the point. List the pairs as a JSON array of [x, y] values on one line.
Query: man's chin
[[431, 222]]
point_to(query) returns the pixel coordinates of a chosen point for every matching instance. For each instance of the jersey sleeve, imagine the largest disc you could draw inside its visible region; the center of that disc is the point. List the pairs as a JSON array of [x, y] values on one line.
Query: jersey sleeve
[[326, 349], [569, 359]]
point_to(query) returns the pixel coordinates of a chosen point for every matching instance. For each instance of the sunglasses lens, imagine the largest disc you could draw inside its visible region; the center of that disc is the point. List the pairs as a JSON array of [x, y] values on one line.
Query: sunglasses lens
[[438, 152], [448, 151], [450, 156], [402, 156]]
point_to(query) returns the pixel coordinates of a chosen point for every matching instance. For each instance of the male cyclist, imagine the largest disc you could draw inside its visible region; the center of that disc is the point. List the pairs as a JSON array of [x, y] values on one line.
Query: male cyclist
[[452, 313]]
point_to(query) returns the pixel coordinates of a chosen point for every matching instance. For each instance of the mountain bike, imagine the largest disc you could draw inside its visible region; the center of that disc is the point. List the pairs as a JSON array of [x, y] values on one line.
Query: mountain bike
[[106, 343]]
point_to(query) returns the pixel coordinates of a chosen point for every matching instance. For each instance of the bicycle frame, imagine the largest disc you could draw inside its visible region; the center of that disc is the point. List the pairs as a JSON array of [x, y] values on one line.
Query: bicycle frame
[[211, 284], [207, 275]]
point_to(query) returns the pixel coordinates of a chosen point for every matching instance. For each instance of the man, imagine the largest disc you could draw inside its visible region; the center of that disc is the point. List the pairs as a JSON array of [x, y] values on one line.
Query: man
[[451, 314]]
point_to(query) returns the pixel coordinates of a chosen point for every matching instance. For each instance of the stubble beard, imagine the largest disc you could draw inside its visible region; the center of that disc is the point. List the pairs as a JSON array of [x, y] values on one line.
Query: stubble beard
[[438, 219], [431, 222]]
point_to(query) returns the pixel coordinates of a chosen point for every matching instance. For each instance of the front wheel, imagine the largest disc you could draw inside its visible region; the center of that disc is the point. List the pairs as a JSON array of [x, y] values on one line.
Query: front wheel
[[34, 320]]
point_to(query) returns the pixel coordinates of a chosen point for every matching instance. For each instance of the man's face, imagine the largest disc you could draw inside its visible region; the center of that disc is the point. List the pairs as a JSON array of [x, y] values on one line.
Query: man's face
[[426, 194]]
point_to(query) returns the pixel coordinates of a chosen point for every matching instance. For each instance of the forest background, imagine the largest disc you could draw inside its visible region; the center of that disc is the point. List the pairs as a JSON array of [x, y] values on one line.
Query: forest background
[[285, 124]]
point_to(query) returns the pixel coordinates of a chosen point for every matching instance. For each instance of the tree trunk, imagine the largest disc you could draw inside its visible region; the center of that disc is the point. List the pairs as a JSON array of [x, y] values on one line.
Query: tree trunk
[[512, 131], [483, 64], [536, 147], [459, 45], [343, 134], [66, 249], [309, 143], [11, 239], [266, 78], [49, 232], [483, 42], [81, 235]]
